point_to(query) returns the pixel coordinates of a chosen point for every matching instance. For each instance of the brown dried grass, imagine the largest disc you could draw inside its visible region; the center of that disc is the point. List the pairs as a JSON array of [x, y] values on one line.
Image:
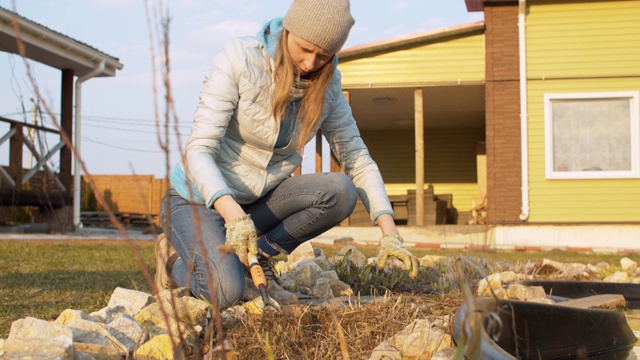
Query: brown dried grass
[[305, 332]]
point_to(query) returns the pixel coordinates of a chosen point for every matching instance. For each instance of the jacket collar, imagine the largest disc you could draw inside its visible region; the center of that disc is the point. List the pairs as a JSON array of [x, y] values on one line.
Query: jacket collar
[[269, 35]]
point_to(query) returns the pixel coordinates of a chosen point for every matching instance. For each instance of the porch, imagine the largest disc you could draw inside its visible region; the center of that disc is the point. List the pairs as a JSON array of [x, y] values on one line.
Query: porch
[[34, 182]]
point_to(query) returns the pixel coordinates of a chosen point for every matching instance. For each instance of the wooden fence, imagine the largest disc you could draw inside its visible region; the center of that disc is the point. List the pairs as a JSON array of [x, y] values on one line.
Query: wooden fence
[[125, 194]]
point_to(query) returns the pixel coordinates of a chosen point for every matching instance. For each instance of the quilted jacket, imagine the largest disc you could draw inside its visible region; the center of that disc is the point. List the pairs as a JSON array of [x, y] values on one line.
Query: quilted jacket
[[231, 149]]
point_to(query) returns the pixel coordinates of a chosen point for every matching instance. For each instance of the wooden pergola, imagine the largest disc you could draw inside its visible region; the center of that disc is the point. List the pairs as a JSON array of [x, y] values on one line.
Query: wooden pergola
[[74, 59]]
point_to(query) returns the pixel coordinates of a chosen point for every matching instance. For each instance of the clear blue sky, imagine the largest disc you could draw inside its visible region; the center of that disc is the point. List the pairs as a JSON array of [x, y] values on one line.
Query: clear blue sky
[[118, 132]]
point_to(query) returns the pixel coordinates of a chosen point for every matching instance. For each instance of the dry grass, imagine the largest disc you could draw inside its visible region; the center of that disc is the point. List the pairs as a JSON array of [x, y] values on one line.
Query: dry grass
[[305, 333]]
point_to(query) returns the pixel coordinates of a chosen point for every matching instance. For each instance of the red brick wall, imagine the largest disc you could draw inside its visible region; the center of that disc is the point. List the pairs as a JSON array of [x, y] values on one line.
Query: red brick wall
[[502, 113]]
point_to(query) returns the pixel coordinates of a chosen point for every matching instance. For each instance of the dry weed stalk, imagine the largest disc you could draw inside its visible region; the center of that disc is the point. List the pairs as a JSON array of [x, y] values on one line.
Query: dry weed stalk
[[472, 323], [162, 22], [344, 349]]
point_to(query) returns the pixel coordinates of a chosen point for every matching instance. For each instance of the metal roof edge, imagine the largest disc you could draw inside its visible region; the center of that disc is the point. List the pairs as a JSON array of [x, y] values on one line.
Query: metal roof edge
[[65, 43], [413, 39]]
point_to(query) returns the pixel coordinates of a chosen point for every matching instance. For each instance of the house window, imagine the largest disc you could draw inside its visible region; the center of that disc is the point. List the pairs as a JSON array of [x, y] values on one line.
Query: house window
[[592, 135]]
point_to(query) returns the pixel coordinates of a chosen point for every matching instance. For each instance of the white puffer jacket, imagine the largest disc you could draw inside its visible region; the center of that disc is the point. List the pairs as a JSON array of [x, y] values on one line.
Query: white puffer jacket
[[231, 149]]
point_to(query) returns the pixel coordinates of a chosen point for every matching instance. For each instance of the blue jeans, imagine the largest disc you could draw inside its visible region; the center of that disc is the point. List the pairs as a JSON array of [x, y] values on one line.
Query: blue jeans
[[297, 210]]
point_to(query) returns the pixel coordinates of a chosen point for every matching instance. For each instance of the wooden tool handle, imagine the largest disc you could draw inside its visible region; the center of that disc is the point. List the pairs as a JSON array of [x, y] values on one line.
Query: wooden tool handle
[[257, 274]]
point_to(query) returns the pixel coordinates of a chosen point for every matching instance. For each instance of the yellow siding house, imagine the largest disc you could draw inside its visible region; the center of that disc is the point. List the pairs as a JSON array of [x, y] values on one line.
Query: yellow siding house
[[583, 79]]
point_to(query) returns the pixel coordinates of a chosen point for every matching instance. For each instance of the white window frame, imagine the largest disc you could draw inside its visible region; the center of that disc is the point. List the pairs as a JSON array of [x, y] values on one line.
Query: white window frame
[[634, 172]]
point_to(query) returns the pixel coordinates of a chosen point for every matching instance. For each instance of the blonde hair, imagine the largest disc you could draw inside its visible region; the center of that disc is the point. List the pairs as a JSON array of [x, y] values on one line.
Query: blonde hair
[[313, 100]]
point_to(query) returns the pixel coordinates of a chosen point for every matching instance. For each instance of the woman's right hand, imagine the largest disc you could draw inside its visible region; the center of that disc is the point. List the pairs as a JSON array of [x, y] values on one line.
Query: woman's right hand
[[242, 237]]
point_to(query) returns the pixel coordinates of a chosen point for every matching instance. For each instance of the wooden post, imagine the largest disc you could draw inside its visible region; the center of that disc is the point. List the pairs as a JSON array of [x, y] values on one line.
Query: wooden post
[[336, 167], [15, 155], [298, 171], [419, 145], [319, 152], [66, 127]]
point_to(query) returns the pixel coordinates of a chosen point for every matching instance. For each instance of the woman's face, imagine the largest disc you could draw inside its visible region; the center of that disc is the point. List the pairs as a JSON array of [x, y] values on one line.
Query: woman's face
[[306, 57]]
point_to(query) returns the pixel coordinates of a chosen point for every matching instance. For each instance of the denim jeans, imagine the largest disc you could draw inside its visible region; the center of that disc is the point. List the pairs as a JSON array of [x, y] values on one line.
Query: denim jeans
[[298, 209]]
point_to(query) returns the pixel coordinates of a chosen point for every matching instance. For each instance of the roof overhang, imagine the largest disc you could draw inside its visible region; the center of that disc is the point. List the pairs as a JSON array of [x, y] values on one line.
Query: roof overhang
[[51, 48], [410, 40], [478, 5]]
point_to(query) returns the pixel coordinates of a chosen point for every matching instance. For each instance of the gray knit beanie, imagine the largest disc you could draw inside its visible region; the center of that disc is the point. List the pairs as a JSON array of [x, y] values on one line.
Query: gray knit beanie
[[324, 23]]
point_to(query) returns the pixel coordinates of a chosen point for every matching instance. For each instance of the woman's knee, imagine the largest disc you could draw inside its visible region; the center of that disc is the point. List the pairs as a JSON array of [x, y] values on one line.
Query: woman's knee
[[226, 282], [344, 192], [229, 294], [226, 294]]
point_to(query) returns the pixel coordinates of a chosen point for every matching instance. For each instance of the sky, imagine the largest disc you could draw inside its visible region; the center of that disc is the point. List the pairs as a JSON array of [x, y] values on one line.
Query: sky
[[118, 113]]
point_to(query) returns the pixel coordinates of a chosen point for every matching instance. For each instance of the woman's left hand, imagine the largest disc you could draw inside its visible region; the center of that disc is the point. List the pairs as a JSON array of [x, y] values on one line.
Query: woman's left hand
[[391, 245], [242, 238]]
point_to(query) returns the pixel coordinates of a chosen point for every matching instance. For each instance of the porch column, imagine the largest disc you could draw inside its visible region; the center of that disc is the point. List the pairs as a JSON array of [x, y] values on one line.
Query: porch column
[[419, 147], [66, 127], [335, 165], [15, 155], [319, 152]]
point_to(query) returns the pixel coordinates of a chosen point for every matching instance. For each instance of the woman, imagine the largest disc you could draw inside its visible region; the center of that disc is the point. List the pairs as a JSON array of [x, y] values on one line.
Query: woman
[[263, 99]]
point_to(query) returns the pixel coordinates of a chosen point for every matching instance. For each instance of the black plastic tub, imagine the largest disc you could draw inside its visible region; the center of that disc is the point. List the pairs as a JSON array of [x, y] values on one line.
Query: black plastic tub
[[580, 289], [545, 331]]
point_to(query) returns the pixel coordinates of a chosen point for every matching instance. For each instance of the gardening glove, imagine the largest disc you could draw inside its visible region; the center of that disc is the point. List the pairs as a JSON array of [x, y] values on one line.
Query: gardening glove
[[242, 238], [391, 245]]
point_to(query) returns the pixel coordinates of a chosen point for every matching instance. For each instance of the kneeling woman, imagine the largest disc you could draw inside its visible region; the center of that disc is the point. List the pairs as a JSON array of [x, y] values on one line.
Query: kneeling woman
[[262, 100]]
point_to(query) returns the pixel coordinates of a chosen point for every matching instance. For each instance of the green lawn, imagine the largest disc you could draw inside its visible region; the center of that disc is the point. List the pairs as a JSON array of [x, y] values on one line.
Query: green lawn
[[41, 279]]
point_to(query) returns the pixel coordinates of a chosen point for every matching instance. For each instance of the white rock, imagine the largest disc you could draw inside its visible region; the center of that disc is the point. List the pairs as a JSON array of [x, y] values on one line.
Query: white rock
[[133, 299], [107, 314], [126, 330], [303, 251], [522, 292], [618, 277], [32, 328], [352, 254], [628, 265], [58, 348]]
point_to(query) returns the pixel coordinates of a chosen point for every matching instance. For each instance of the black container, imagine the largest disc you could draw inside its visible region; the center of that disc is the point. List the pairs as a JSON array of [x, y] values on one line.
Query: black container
[[545, 331]]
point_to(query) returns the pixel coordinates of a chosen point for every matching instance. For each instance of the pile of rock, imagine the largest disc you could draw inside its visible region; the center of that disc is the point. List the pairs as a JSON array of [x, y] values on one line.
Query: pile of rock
[[133, 324], [501, 284], [139, 325]]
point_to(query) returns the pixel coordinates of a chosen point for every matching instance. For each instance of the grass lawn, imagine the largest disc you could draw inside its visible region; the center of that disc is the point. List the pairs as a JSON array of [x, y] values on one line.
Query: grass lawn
[[42, 278]]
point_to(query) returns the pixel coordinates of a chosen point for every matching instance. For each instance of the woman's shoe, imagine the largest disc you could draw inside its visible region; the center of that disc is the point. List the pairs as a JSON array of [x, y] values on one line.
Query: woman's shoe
[[166, 255]]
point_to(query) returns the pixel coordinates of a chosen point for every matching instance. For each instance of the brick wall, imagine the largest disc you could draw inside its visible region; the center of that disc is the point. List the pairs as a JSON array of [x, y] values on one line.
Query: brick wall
[[502, 113]]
